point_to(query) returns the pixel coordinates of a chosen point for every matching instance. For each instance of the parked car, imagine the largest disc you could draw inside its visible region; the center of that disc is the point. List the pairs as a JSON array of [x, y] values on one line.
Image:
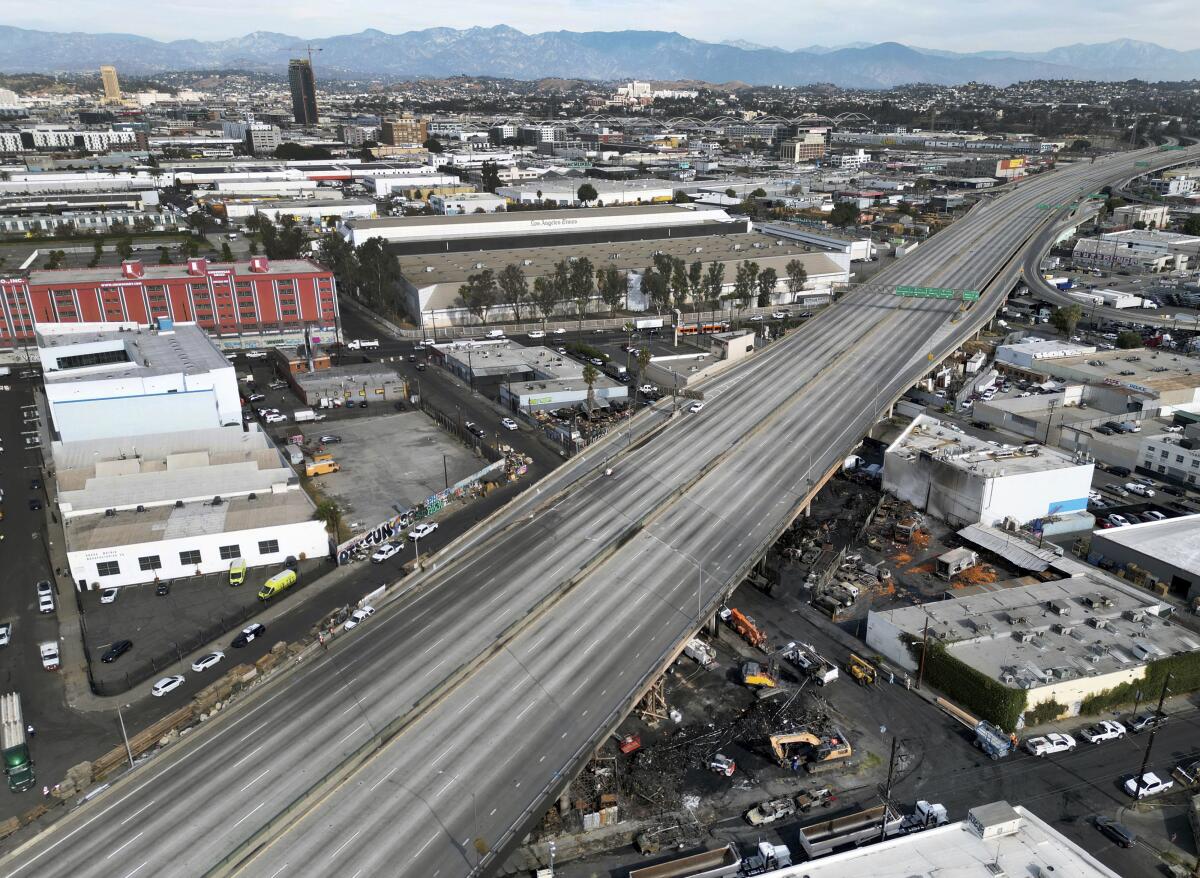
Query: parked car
[[275, 419], [207, 661], [386, 551], [1138, 488], [1118, 832], [1174, 491], [1094, 495], [769, 812], [108, 596], [256, 397], [779, 315], [474, 429], [167, 684], [696, 407], [1150, 784], [34, 504], [1106, 431], [537, 333], [1153, 515], [508, 423], [1143, 722], [1106, 730], [1118, 520], [115, 650], [1122, 471], [422, 530], [5, 633], [277, 385], [1055, 742], [249, 633], [361, 614], [162, 589], [330, 439]]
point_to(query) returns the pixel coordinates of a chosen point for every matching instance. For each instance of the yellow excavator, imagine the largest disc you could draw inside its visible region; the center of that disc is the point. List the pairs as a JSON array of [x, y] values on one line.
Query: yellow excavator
[[815, 752]]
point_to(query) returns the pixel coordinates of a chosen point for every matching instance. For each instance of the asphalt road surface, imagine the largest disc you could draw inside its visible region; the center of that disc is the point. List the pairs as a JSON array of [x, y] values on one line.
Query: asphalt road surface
[[529, 642]]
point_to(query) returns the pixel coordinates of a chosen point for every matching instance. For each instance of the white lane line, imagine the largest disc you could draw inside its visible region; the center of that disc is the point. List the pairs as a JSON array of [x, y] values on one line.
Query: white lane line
[[122, 847], [248, 755], [580, 686], [442, 755], [384, 778], [341, 846], [256, 780], [421, 850], [137, 812], [135, 871], [352, 731], [350, 708], [528, 708], [493, 814], [279, 871], [468, 704], [253, 730], [247, 814]]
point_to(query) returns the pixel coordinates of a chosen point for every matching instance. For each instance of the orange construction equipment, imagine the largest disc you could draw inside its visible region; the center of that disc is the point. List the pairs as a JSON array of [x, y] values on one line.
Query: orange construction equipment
[[744, 625]]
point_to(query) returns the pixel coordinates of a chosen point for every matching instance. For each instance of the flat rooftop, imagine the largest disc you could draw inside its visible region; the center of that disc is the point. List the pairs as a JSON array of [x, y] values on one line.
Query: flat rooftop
[[560, 216], [1040, 348], [535, 261], [151, 273], [957, 850], [348, 377], [502, 357], [156, 523], [1033, 635], [930, 436], [184, 349], [1176, 540], [1140, 368]]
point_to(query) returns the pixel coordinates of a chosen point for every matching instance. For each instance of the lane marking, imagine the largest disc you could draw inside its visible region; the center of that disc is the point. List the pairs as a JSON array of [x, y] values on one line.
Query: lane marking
[[279, 871], [122, 847], [384, 778], [135, 871], [256, 780], [248, 755], [137, 812], [352, 731], [248, 813], [342, 846]]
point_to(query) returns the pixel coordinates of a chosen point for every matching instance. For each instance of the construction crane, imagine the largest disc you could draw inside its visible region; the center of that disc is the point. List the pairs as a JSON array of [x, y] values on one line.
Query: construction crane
[[308, 47]]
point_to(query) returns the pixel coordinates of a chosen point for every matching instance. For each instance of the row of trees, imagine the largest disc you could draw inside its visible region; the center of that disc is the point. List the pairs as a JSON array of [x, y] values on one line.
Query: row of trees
[[668, 282], [368, 271]]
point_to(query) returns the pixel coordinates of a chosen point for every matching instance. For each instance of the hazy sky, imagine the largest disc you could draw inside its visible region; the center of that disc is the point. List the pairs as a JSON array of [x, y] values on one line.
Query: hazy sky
[[964, 25]]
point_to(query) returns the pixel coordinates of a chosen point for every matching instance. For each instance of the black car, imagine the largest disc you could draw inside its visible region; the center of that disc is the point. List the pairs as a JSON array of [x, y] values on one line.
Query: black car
[[1144, 722], [1118, 832], [34, 504], [420, 367], [1122, 471], [118, 649], [475, 430], [1105, 431], [363, 404], [251, 632], [1173, 491], [35, 484], [163, 588]]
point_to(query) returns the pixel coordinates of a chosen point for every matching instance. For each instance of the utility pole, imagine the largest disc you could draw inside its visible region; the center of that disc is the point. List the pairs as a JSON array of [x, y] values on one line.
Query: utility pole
[[886, 793], [124, 736], [1162, 696], [1053, 404], [924, 646]]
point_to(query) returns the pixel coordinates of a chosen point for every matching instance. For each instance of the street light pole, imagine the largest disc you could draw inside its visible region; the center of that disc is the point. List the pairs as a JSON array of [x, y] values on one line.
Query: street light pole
[[124, 736], [1162, 696]]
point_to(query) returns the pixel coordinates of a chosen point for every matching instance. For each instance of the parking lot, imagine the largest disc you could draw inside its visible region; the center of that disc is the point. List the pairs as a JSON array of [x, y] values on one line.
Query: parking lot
[[392, 462]]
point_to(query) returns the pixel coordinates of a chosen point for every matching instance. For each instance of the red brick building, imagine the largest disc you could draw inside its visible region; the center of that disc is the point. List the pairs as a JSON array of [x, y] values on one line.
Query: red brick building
[[227, 299]]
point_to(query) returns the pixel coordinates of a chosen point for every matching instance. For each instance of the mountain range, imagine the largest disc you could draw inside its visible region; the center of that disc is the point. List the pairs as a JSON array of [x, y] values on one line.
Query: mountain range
[[503, 51]]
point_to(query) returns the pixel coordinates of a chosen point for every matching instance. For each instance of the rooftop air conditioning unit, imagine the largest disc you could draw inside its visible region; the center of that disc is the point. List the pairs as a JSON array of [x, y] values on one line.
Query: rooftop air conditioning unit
[[527, 262], [1135, 615], [1097, 622], [217, 501], [429, 269], [140, 508], [1063, 629], [109, 513], [1025, 636], [178, 504]]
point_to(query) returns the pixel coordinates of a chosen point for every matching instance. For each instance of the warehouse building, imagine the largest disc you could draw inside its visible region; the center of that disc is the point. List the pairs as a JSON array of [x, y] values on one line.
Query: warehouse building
[[1031, 637], [238, 301], [542, 228], [1165, 552], [358, 384], [1129, 380], [103, 381], [565, 193], [1026, 355], [431, 282], [963, 480]]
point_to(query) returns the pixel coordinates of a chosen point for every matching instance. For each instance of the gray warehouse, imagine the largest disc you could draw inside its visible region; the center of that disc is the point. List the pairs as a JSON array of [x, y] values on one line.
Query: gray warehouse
[[1168, 551]]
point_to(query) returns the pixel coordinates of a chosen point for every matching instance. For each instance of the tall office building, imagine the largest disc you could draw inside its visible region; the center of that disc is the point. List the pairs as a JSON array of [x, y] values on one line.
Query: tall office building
[[304, 91], [112, 88]]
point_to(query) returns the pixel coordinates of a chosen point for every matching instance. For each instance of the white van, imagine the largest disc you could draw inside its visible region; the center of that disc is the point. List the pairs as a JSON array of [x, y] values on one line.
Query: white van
[[495, 333]]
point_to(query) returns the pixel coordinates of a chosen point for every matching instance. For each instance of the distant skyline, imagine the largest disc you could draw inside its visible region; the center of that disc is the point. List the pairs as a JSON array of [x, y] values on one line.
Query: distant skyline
[[955, 25]]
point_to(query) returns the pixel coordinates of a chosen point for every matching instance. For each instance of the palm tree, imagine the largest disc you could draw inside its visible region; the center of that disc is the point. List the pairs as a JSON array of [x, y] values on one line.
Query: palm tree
[[643, 360], [589, 378], [331, 514]]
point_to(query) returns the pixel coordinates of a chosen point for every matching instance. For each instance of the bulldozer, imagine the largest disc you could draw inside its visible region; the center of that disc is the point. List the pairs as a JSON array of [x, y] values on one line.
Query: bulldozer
[[744, 626], [759, 676], [815, 752]]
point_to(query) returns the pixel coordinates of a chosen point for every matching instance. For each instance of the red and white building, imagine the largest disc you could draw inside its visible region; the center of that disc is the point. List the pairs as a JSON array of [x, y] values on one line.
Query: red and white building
[[239, 299]]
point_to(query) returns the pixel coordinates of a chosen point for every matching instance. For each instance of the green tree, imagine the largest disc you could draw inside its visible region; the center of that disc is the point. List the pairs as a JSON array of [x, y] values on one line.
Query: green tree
[[714, 281], [164, 256], [191, 247], [1066, 318], [844, 213], [696, 283], [581, 286], [125, 247], [731, 192], [434, 146], [1191, 226], [679, 283], [545, 296], [613, 285], [54, 259], [656, 289], [97, 253], [514, 288], [378, 276], [489, 174], [587, 193], [331, 514], [337, 254], [226, 252], [478, 294], [643, 362], [797, 277], [1111, 204], [1139, 224], [759, 192], [1128, 339], [767, 279], [589, 378], [745, 282]]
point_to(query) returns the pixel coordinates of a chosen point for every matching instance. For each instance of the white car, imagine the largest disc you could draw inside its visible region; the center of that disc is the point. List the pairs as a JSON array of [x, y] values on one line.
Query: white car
[[167, 684], [108, 596], [695, 407], [359, 615], [779, 315], [646, 388], [1139, 489], [1043, 745], [207, 661], [275, 419], [756, 318], [256, 355], [560, 331], [1107, 730], [422, 530], [1154, 515], [1118, 520], [45, 603], [428, 342], [1151, 785], [1095, 495], [508, 424], [537, 333], [387, 550], [5, 633]]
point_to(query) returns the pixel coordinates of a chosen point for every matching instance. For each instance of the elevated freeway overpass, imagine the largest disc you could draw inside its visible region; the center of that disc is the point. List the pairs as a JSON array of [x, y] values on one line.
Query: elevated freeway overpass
[[427, 742]]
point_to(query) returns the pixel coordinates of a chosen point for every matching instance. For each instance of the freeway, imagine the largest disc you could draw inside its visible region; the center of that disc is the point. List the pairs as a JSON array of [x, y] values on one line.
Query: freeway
[[465, 706]]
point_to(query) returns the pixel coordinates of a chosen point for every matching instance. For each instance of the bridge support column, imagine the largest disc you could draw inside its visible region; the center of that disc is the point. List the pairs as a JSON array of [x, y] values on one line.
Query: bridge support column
[[713, 625], [564, 803]]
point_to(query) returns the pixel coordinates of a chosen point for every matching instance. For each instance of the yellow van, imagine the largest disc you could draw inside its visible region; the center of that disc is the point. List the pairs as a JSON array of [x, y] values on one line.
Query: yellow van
[[321, 467], [237, 571], [278, 583]]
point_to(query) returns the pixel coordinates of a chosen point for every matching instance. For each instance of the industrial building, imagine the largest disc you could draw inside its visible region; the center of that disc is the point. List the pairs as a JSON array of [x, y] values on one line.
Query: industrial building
[[495, 231], [963, 480], [1171, 457], [104, 381], [1143, 250], [1134, 380], [359, 383], [1026, 355], [565, 192], [1166, 552], [466, 202], [1063, 640], [431, 282], [994, 840], [239, 301]]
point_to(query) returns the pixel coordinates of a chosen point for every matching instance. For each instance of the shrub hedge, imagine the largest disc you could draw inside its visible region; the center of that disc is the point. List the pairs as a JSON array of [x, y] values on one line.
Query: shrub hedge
[[1185, 677], [1044, 713], [987, 698]]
